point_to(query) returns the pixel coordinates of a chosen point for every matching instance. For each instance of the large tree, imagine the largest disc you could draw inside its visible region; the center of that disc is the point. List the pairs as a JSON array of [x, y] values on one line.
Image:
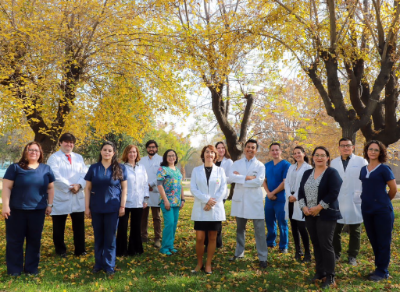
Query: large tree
[[211, 44], [350, 52], [79, 65]]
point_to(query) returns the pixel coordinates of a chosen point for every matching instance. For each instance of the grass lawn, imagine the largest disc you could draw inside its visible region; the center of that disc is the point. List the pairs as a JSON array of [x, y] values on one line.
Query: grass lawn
[[155, 272]]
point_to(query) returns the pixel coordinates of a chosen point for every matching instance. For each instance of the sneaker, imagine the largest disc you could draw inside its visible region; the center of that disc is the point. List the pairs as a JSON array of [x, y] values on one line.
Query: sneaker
[[234, 258], [283, 250], [329, 282], [157, 243], [352, 261], [374, 277], [263, 264]]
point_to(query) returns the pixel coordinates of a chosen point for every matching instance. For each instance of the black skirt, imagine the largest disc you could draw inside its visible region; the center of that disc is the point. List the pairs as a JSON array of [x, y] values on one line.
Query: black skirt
[[207, 225]]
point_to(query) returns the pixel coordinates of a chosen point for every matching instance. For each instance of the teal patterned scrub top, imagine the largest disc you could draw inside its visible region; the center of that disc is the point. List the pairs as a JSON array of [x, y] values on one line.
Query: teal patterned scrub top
[[172, 182]]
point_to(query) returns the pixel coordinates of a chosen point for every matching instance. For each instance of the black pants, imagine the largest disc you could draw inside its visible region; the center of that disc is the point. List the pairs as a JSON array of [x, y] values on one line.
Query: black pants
[[321, 234], [78, 228], [299, 229], [21, 225], [135, 241]]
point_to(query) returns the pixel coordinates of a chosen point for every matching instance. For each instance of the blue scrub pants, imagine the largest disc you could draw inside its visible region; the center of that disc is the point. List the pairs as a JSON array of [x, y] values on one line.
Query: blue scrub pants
[[275, 211], [170, 222], [105, 228], [20, 225], [379, 227]]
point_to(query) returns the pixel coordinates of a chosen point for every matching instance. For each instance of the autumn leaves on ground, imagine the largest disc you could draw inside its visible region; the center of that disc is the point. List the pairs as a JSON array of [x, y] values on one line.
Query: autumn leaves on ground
[[154, 272]]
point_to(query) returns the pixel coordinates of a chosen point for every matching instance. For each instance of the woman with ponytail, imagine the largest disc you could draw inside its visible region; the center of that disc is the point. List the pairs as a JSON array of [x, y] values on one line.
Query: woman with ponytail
[[105, 195]]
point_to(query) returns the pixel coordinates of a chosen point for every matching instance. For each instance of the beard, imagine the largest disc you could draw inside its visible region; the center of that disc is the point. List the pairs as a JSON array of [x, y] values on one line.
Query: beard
[[152, 153]]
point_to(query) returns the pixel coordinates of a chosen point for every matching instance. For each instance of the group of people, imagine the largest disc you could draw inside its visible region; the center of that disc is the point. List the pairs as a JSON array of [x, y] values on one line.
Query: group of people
[[317, 196]]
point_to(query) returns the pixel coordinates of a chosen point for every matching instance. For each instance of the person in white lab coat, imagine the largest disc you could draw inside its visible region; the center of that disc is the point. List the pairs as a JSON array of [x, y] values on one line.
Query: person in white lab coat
[[224, 161], [208, 186], [152, 164], [248, 174], [349, 167], [292, 208], [136, 201], [69, 170]]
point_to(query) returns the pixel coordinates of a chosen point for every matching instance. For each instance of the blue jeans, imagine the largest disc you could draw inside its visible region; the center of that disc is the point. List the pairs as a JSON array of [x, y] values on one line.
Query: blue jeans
[[170, 222], [105, 228], [275, 211]]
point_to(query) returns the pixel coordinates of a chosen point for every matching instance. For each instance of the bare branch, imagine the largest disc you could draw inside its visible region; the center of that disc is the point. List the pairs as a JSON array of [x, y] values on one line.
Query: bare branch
[[381, 33], [332, 23]]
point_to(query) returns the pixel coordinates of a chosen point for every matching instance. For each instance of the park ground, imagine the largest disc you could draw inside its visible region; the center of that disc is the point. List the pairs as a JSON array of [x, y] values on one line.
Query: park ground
[[155, 272]]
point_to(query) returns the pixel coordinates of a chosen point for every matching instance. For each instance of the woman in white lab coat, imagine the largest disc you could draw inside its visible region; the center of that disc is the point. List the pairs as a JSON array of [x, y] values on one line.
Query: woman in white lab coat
[[138, 195], [208, 186], [292, 208], [224, 160]]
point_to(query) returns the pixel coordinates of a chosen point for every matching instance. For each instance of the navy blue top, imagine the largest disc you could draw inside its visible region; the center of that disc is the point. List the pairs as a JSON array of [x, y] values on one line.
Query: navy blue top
[[29, 191], [374, 196], [105, 196], [275, 175]]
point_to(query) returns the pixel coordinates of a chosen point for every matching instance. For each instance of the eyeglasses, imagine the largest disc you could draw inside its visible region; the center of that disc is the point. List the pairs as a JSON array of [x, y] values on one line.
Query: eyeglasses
[[152, 147], [373, 150], [346, 146], [320, 155], [171, 156], [33, 151]]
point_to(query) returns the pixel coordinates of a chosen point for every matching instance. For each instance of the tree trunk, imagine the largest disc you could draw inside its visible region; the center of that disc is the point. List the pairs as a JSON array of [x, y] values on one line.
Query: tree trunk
[[183, 171]]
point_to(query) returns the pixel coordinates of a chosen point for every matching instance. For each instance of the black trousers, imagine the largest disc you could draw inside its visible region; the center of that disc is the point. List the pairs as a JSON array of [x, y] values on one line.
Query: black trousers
[[78, 228], [321, 234], [135, 241], [299, 229], [21, 225]]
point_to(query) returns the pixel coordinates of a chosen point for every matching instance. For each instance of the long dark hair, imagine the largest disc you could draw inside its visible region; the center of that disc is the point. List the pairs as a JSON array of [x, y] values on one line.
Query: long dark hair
[[382, 158], [227, 155], [164, 158], [116, 168], [302, 150], [23, 162], [326, 152]]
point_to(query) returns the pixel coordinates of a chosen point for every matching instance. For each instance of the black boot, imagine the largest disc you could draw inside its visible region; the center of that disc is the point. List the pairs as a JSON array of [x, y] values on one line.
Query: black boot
[[298, 255], [307, 258], [329, 282]]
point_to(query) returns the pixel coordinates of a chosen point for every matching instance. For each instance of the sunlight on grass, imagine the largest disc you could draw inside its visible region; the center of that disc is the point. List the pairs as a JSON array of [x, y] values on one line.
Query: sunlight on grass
[[155, 272]]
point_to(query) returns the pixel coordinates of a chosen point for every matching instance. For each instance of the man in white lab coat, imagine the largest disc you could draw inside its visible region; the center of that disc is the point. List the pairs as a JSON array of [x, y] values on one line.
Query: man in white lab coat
[[247, 202], [152, 164], [69, 170], [349, 166]]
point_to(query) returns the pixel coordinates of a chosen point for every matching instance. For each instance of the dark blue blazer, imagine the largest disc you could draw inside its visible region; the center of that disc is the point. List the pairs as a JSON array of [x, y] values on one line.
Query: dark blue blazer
[[328, 191]]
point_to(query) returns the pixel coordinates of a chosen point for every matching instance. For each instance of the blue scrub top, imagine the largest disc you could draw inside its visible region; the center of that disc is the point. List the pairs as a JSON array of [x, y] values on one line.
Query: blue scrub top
[[374, 195], [275, 175], [105, 196], [29, 191]]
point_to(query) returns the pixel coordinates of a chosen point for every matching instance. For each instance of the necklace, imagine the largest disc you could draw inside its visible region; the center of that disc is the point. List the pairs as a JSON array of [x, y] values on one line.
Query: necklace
[[208, 169]]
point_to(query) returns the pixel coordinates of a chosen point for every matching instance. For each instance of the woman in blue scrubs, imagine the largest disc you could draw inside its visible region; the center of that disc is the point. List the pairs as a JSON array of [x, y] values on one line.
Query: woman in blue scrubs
[[28, 192], [376, 206], [105, 195]]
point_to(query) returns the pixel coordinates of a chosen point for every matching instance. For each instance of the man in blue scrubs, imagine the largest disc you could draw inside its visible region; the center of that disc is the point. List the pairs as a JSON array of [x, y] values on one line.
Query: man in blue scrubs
[[275, 174]]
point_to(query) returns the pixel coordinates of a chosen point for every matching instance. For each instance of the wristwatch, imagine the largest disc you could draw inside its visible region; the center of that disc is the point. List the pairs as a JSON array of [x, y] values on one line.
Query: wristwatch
[[50, 205], [183, 200]]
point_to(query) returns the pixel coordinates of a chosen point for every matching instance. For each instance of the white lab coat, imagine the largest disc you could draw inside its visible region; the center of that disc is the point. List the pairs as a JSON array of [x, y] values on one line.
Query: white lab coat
[[138, 187], [297, 213], [202, 192], [350, 191], [226, 163], [66, 174], [248, 198], [152, 166]]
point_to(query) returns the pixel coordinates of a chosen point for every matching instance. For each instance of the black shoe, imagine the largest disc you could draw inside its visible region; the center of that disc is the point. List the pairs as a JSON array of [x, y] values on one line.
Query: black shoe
[[307, 258], [297, 256], [96, 270], [337, 258], [317, 276], [329, 282], [35, 273], [110, 273], [374, 277], [63, 255], [81, 254], [15, 274], [234, 258], [283, 250], [263, 264]]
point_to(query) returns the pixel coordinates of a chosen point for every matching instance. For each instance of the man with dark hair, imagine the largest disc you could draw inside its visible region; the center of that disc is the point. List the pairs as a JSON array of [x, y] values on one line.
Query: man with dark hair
[[349, 166], [247, 201], [152, 164], [274, 185], [69, 170]]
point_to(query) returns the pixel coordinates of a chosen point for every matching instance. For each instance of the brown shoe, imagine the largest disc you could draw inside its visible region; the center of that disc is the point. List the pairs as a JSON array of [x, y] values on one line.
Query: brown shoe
[[157, 243]]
